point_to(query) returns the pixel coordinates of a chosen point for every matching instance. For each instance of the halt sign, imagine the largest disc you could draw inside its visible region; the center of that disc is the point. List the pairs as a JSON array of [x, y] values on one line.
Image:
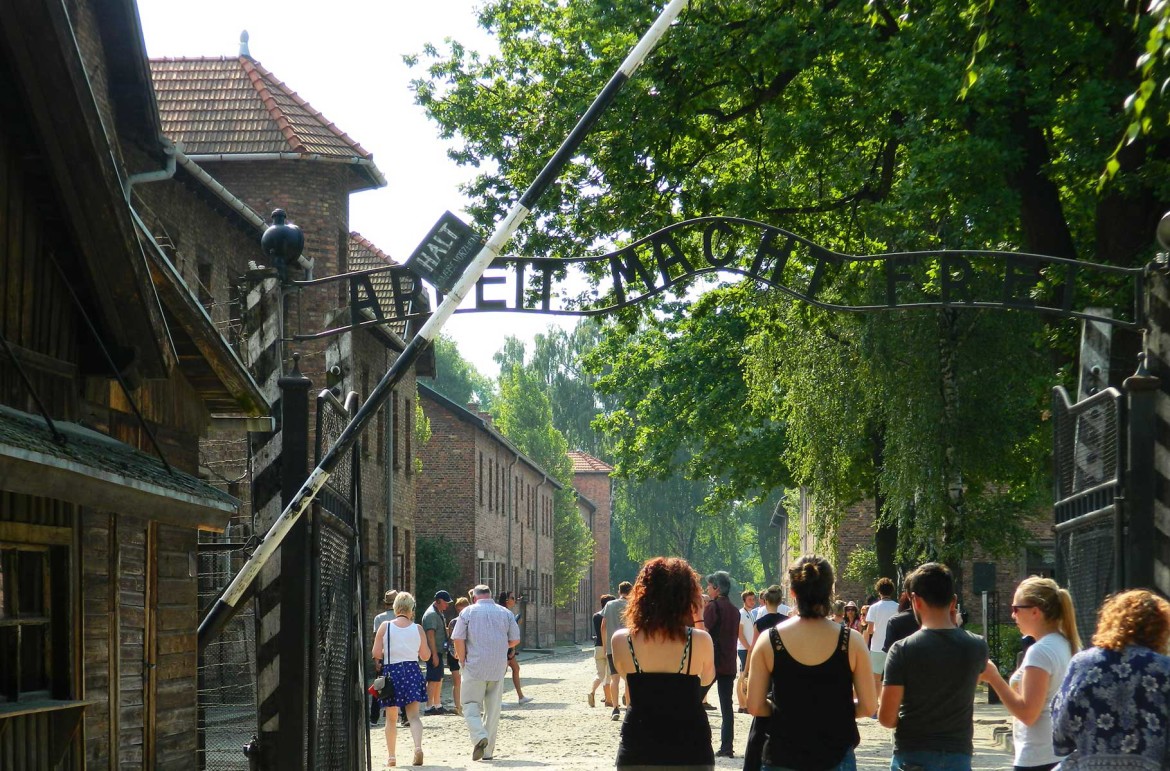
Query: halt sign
[[445, 253]]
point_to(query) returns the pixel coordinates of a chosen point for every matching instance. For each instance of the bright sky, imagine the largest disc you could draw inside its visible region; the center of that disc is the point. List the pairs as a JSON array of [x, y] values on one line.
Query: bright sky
[[345, 58]]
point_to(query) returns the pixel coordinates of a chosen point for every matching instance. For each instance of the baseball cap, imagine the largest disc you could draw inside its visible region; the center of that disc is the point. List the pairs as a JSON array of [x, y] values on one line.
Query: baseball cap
[[443, 595]]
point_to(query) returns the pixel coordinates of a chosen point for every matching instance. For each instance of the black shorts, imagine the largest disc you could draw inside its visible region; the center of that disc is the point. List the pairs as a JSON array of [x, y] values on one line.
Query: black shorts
[[452, 663], [435, 671], [609, 660]]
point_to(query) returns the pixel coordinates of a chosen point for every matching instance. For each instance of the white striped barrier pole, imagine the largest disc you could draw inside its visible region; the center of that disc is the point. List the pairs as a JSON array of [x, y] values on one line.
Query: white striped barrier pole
[[225, 606]]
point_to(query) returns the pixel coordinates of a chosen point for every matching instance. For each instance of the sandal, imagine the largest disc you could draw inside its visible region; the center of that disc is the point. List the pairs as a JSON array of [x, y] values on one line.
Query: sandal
[[391, 762], [418, 760]]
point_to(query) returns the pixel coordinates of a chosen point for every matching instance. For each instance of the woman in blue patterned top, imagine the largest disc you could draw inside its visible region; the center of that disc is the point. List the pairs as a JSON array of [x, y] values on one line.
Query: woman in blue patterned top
[[1113, 709]]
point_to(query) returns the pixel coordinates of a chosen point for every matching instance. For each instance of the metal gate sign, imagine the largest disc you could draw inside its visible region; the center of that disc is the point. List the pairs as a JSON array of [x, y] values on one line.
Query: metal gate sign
[[671, 259], [445, 253]]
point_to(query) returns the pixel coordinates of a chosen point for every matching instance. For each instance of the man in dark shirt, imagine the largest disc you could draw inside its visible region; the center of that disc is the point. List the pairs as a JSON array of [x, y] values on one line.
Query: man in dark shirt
[[721, 619], [903, 623], [599, 662], [930, 680]]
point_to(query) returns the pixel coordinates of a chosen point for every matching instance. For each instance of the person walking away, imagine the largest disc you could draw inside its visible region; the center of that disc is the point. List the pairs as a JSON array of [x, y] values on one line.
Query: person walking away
[[721, 619], [599, 662], [903, 623], [666, 662], [875, 628], [434, 624], [1092, 727], [453, 663], [1044, 611], [930, 679], [482, 636], [386, 614], [803, 676], [758, 732], [400, 643], [613, 618], [747, 635], [508, 600]]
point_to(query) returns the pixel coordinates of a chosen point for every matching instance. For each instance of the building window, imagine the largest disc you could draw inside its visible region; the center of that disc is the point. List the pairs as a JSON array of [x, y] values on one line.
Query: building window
[[381, 438], [394, 430], [406, 439], [406, 554], [203, 277], [481, 479], [34, 634], [365, 393], [491, 485], [343, 267]]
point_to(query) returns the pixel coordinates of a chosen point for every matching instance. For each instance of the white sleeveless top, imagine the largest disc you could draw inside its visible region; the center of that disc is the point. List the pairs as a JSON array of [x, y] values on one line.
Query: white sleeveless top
[[400, 643]]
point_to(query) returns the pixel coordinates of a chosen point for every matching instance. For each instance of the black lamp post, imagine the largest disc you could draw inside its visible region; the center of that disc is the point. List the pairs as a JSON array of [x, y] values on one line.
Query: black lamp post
[[282, 241]]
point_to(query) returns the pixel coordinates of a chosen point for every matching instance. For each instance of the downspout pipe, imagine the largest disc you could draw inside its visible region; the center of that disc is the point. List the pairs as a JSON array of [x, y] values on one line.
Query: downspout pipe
[[543, 482], [172, 151], [510, 514]]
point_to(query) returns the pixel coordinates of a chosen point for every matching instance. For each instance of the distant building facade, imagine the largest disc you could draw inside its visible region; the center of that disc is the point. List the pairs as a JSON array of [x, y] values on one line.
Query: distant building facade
[[494, 504], [591, 480]]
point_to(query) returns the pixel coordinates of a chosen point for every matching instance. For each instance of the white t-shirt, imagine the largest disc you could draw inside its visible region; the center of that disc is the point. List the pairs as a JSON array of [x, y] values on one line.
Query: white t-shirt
[[878, 614], [782, 608], [747, 622], [401, 643], [1034, 743]]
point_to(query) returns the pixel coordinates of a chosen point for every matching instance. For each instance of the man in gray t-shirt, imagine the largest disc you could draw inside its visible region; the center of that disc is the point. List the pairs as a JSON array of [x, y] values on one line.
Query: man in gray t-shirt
[[434, 626], [613, 618], [930, 679]]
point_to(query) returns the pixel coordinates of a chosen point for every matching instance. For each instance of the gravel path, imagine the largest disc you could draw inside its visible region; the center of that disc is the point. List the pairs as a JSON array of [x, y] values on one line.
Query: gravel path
[[558, 730]]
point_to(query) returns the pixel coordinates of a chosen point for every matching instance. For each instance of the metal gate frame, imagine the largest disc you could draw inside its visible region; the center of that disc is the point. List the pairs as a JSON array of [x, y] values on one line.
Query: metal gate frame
[[1103, 474], [336, 639]]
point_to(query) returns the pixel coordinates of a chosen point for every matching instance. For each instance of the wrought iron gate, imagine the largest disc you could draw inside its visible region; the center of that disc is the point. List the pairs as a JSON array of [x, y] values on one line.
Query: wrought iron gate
[[1089, 446], [337, 735]]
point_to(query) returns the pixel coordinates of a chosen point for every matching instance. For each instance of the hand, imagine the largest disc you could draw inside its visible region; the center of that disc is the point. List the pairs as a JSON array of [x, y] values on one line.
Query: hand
[[986, 675], [435, 659]]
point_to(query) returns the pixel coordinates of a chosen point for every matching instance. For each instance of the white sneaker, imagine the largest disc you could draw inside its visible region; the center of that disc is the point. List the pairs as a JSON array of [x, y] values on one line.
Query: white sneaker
[[524, 700]]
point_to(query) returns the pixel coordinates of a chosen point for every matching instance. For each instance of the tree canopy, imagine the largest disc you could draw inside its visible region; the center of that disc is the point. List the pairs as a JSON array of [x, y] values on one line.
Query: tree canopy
[[867, 128]]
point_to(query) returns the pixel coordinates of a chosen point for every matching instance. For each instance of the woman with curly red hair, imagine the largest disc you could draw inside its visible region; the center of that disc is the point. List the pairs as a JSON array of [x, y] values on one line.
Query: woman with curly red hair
[[666, 663], [1113, 708]]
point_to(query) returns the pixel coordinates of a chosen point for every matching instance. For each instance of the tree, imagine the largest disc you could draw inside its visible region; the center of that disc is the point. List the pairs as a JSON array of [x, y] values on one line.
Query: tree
[[457, 378], [523, 414], [435, 566], [841, 122]]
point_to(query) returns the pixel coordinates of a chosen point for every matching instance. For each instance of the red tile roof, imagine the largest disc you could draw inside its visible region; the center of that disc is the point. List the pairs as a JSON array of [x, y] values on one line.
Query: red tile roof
[[584, 463], [234, 106]]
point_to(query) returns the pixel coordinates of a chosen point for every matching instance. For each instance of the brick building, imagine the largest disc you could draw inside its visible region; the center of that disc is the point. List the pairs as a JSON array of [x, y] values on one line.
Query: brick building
[[112, 371], [591, 480], [980, 572], [494, 504], [246, 144]]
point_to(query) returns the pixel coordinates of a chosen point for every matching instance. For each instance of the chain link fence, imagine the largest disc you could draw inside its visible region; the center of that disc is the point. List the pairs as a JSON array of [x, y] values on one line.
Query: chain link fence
[[337, 732], [227, 666]]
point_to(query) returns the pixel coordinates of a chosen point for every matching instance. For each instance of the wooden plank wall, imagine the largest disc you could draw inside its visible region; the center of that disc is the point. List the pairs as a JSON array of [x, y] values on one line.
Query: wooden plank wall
[[36, 313]]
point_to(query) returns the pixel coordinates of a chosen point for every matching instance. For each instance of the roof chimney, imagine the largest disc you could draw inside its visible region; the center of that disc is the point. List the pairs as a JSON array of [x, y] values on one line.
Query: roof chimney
[[244, 45]]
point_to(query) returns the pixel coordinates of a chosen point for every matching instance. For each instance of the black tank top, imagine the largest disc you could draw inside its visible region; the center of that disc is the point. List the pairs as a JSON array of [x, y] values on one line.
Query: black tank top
[[665, 724], [814, 723]]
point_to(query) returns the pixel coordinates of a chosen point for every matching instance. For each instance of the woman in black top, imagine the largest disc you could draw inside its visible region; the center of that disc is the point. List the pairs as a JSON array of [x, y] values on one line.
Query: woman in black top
[[812, 716], [666, 662]]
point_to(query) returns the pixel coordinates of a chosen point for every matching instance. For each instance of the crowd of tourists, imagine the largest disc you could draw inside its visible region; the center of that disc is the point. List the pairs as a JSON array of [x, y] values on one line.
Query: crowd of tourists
[[807, 667]]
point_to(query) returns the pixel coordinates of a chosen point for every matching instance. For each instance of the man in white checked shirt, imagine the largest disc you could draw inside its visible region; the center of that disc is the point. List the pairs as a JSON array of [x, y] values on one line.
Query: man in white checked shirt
[[482, 636]]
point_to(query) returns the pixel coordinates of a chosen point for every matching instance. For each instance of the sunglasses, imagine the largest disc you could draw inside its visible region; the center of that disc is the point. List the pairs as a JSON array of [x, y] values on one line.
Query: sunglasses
[[1021, 607]]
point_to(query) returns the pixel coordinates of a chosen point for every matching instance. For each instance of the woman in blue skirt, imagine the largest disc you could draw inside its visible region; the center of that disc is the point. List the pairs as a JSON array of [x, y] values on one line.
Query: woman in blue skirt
[[400, 644]]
